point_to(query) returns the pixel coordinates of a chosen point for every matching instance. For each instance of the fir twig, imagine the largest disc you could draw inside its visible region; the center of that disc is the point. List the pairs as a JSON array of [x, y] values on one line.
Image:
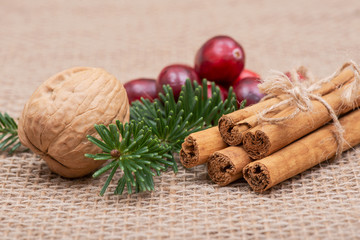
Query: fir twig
[[156, 131], [171, 121], [9, 140], [139, 156]]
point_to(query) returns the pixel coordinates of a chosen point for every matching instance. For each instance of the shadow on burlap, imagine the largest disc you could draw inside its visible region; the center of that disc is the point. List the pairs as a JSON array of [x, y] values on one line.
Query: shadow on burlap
[[137, 39]]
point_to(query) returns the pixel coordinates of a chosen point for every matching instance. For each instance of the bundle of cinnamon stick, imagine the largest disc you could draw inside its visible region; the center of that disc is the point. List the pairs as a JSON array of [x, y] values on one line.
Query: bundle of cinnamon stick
[[267, 152]]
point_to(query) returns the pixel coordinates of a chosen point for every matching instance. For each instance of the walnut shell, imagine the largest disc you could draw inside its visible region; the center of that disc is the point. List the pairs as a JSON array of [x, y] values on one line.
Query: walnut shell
[[62, 112]]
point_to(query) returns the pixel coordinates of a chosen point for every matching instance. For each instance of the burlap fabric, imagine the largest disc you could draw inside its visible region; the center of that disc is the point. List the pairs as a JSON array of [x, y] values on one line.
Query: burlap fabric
[[136, 39]]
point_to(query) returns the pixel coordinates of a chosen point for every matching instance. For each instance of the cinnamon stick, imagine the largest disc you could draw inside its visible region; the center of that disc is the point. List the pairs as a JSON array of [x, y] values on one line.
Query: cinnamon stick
[[198, 146], [235, 136], [227, 122], [233, 125], [302, 154], [265, 138], [226, 165]]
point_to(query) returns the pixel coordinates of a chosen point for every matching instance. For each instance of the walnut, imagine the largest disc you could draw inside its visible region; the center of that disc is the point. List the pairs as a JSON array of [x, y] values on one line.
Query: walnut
[[62, 112]]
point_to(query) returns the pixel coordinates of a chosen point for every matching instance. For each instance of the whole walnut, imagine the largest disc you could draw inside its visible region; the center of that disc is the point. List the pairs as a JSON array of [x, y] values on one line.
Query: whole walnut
[[62, 112]]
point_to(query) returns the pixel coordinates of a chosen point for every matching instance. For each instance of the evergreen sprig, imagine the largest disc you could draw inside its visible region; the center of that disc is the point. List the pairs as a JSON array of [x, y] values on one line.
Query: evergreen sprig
[[139, 155], [171, 121], [162, 125], [9, 140]]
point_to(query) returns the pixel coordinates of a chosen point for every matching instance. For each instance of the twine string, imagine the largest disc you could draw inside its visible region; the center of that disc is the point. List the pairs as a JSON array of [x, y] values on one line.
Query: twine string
[[300, 94]]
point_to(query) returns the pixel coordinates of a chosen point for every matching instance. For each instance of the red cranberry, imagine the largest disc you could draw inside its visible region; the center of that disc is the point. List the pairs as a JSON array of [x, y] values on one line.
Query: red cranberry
[[247, 73], [221, 59], [223, 92], [141, 87], [301, 76], [247, 88], [175, 75]]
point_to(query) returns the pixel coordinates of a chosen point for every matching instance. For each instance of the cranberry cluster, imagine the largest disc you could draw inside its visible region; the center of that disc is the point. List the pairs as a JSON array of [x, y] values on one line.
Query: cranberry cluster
[[221, 60]]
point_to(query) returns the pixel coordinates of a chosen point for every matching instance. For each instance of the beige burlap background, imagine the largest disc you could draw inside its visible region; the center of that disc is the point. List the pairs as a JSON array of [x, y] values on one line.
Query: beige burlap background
[[134, 39]]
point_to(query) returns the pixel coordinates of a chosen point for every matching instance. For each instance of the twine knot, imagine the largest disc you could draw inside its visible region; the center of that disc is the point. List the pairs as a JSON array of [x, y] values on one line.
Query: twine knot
[[297, 93], [300, 96]]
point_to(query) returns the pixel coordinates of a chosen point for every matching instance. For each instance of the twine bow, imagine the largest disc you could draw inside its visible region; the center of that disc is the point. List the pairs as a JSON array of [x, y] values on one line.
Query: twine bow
[[300, 95]]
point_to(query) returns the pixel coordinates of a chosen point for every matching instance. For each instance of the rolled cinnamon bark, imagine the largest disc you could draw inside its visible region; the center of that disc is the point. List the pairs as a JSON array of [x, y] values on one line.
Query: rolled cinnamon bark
[[198, 146], [346, 75], [226, 165], [233, 125], [229, 134], [235, 137], [265, 138], [302, 154]]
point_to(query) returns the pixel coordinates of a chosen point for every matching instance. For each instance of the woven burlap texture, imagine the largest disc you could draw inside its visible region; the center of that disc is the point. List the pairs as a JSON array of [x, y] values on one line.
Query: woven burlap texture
[[133, 39]]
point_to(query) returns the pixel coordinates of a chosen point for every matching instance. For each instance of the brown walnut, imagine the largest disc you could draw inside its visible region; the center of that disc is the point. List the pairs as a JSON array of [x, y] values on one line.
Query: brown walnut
[[62, 112]]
